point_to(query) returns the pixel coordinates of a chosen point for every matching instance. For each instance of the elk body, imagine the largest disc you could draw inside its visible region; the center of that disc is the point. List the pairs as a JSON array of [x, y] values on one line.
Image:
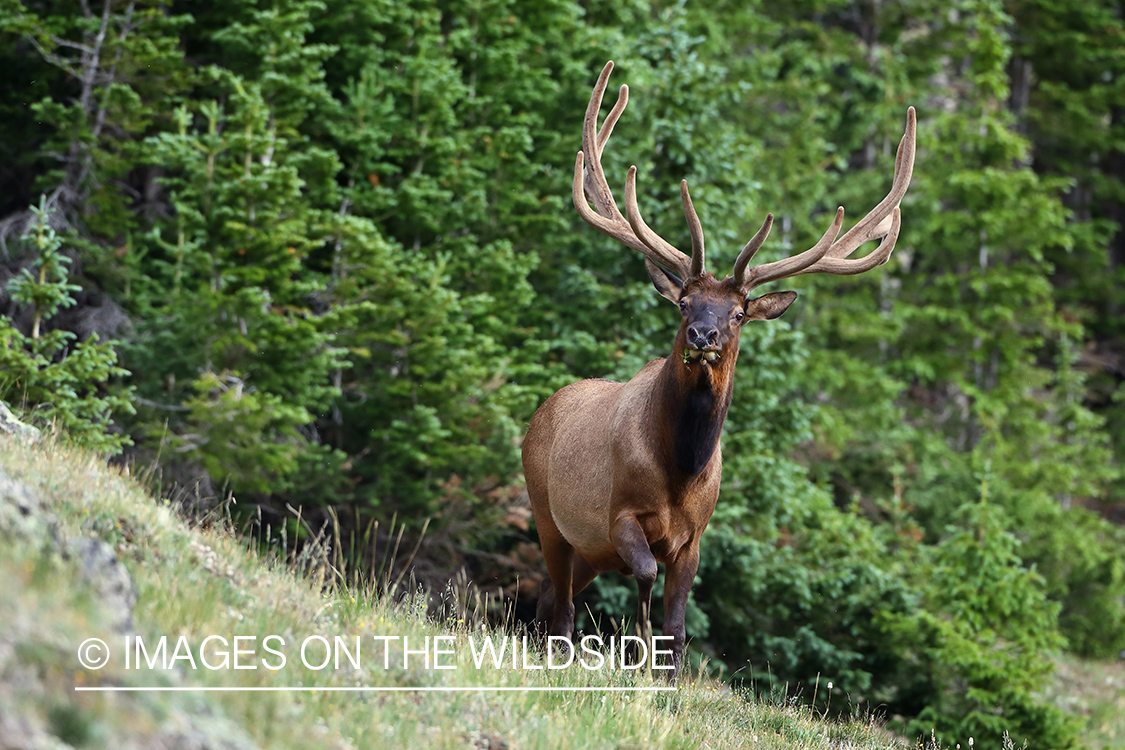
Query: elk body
[[623, 476]]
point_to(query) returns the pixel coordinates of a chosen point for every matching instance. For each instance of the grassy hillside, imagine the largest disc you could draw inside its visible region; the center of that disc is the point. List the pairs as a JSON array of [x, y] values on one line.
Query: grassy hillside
[[1093, 691], [196, 580]]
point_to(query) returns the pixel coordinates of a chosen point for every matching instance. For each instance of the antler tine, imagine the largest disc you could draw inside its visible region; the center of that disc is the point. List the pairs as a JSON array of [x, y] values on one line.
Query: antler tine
[[619, 230], [796, 264], [852, 266], [697, 260], [751, 248], [661, 252], [611, 119], [829, 256], [868, 228], [590, 184], [596, 185]]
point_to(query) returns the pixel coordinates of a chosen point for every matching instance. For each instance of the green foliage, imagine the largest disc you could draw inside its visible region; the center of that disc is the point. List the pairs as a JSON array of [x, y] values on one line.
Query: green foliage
[[109, 71], [48, 289], [65, 383], [961, 352], [977, 649], [801, 599], [223, 303]]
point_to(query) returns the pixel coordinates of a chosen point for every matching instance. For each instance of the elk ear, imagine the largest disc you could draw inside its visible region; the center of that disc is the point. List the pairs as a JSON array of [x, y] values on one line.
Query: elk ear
[[668, 284], [769, 306]]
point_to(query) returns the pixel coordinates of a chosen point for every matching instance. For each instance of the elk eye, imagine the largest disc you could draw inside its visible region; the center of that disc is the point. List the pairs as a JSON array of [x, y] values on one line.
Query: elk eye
[[739, 315], [683, 305]]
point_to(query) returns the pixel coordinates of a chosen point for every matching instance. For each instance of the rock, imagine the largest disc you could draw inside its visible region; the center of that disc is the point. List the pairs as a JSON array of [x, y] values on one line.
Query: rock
[[111, 582], [201, 731], [11, 426], [21, 512], [23, 733], [23, 518]]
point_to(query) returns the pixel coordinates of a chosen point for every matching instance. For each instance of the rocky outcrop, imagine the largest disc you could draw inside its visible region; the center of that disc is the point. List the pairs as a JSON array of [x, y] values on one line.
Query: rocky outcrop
[[39, 675], [108, 578], [9, 425], [24, 518]]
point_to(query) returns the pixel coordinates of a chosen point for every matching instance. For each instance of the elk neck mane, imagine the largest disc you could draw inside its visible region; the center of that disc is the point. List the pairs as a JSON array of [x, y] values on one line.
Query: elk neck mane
[[694, 399]]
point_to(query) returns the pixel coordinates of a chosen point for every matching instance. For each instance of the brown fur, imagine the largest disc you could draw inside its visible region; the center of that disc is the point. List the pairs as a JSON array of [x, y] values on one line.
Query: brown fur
[[607, 483]]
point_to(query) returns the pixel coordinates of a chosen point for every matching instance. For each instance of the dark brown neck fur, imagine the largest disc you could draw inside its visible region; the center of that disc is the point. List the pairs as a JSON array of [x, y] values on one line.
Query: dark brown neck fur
[[694, 399]]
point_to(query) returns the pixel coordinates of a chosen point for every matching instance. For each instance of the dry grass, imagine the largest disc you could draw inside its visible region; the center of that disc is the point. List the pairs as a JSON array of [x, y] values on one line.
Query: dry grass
[[196, 582]]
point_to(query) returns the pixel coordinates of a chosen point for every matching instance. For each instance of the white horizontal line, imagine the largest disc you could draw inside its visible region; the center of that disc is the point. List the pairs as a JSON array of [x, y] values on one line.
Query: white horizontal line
[[436, 689]]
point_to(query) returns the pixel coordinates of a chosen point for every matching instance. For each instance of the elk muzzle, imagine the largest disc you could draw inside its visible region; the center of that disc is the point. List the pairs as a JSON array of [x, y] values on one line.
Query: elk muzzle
[[702, 336]]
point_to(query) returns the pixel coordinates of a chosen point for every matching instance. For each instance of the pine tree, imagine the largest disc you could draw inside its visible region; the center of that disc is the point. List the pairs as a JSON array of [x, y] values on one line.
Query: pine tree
[[64, 383]]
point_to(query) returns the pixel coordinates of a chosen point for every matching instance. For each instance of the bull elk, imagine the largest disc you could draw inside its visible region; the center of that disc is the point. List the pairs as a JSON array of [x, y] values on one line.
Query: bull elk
[[623, 476]]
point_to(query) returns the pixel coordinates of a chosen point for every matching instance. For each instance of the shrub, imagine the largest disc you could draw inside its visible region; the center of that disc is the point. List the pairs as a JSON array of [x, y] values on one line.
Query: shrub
[[978, 648], [62, 381]]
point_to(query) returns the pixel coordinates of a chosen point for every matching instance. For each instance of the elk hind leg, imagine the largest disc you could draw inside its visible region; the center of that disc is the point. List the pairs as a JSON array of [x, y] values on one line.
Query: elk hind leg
[[556, 602], [546, 604], [582, 573]]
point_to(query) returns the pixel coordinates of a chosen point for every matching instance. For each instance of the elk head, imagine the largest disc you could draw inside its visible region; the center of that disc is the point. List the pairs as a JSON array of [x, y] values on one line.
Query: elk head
[[714, 310]]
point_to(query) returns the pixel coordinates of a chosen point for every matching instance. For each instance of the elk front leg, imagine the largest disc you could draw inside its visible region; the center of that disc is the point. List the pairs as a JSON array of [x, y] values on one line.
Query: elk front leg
[[679, 575], [629, 540]]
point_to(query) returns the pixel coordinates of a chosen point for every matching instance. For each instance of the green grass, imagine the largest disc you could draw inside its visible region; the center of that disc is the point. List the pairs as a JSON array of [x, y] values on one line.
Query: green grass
[[1094, 691], [198, 579]]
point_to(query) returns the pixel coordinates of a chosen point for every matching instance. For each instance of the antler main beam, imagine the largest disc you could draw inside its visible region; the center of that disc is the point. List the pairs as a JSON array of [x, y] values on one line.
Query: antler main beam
[[591, 187], [830, 255], [595, 204]]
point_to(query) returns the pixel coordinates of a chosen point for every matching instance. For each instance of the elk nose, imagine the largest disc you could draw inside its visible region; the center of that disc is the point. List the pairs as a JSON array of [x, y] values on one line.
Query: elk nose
[[701, 336]]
